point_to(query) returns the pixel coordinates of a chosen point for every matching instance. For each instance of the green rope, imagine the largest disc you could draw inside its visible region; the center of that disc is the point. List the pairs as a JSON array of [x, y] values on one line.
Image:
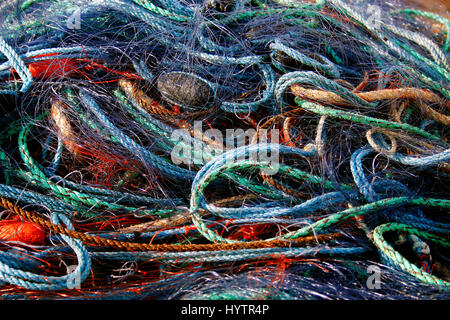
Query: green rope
[[359, 118], [397, 260]]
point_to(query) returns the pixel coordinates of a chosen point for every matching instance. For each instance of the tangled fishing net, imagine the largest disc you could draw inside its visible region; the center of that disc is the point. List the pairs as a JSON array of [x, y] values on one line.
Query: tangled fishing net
[[220, 149]]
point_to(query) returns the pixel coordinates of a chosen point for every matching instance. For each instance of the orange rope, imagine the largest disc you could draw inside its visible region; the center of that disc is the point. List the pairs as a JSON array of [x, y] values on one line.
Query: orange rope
[[131, 246]]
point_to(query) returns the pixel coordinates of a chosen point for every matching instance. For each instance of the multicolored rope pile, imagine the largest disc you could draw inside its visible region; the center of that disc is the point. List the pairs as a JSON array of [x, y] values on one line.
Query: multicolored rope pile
[[223, 149]]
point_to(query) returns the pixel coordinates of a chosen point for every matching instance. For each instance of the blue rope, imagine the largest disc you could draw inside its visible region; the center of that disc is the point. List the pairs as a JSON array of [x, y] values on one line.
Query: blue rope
[[146, 156], [18, 64], [32, 281]]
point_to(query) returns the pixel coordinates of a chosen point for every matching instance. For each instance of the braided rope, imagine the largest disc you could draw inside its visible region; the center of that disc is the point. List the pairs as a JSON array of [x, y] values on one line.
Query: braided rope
[[397, 260], [129, 246], [18, 64]]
